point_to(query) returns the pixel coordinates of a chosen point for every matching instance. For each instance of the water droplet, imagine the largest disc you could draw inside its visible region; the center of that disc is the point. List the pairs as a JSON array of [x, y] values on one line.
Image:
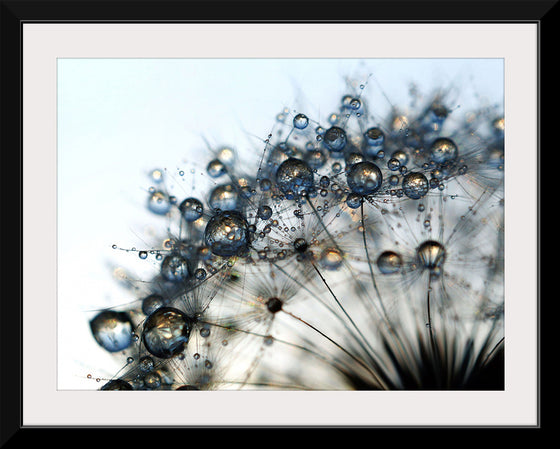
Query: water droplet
[[112, 330], [354, 200], [301, 245], [200, 274], [166, 331], [265, 185], [301, 121], [191, 209], [174, 268], [353, 158], [355, 104], [216, 168], [158, 203], [157, 175], [315, 159], [294, 176], [401, 156], [393, 164], [415, 185], [331, 258], [152, 381], [224, 197], [264, 212], [374, 137], [142, 254], [443, 150], [153, 302], [364, 178], [389, 262], [431, 254], [226, 234], [227, 156], [146, 364], [335, 139]]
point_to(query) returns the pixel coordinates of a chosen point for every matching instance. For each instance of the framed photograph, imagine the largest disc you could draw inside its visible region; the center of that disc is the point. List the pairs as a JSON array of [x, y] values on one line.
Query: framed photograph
[[329, 219]]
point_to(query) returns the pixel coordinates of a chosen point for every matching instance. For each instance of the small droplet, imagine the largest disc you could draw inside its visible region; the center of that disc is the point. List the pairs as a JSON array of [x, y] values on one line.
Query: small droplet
[[332, 258], [301, 121], [335, 139], [200, 274], [216, 168], [174, 268], [191, 209]]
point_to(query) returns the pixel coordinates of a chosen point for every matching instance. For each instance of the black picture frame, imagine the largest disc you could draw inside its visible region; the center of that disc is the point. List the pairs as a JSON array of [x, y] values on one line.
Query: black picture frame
[[16, 13]]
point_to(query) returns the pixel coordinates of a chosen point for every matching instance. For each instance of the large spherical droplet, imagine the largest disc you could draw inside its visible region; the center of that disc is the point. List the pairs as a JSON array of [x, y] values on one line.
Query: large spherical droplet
[[166, 332], [389, 262], [226, 234], [224, 197], [431, 254], [294, 176], [364, 178], [443, 150], [112, 330], [191, 209], [174, 268], [335, 139], [415, 185]]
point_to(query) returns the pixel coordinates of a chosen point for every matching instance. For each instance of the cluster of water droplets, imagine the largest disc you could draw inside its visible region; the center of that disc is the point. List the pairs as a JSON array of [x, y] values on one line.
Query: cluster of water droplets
[[357, 251]]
